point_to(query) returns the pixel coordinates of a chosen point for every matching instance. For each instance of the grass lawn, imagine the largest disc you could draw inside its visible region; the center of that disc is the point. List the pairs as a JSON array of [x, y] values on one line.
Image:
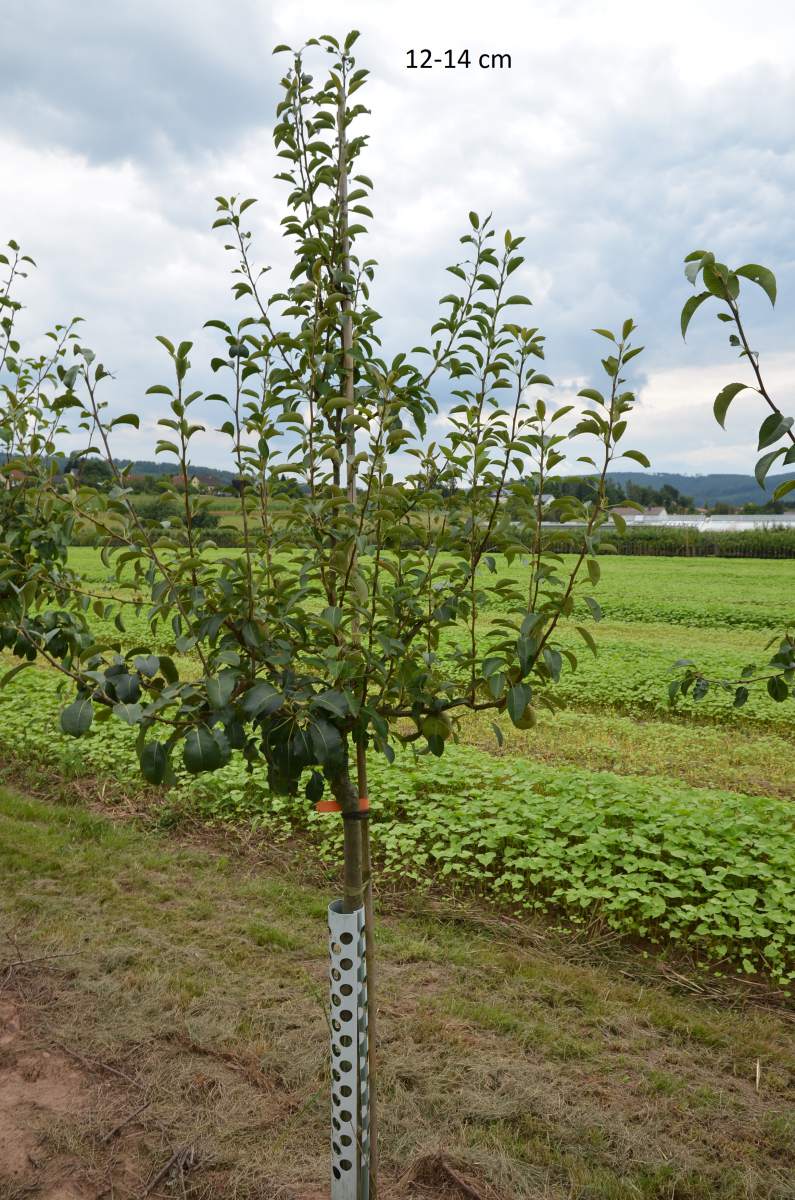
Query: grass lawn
[[194, 991]]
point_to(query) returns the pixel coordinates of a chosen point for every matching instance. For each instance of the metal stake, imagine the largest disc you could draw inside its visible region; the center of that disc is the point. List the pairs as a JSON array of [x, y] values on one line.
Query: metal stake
[[350, 1118]]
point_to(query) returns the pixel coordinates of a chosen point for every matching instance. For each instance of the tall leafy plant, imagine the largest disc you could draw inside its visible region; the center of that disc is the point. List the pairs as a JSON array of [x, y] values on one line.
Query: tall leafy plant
[[721, 285], [363, 609]]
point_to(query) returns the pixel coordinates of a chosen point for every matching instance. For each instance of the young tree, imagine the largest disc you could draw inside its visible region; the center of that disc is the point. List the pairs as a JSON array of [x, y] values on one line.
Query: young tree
[[364, 609], [722, 285]]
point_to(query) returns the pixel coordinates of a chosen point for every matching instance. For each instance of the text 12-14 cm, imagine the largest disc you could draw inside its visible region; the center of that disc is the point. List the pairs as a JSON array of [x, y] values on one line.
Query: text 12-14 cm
[[450, 59]]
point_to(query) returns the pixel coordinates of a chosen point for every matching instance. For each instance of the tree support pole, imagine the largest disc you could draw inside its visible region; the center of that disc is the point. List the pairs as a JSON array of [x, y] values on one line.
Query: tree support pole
[[369, 940]]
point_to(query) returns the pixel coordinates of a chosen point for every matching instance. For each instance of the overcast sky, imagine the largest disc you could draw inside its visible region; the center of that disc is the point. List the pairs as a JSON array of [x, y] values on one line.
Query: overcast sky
[[623, 136]]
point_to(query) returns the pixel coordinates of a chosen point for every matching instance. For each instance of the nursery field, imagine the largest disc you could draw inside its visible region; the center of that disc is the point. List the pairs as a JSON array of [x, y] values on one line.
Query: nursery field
[[674, 827], [586, 939]]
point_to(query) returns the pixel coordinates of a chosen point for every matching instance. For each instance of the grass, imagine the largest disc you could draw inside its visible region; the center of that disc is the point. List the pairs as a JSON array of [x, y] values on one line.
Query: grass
[[199, 970], [734, 758]]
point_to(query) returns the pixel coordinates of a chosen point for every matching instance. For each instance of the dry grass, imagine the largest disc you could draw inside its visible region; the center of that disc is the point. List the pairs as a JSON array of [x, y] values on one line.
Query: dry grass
[[747, 759], [197, 985]]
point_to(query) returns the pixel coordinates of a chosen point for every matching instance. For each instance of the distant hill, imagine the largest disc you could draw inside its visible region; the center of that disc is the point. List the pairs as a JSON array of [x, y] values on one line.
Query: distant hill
[[708, 490], [144, 467]]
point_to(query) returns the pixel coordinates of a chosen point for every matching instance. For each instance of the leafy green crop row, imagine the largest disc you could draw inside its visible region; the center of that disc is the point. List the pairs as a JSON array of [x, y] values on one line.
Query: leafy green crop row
[[708, 869], [655, 613]]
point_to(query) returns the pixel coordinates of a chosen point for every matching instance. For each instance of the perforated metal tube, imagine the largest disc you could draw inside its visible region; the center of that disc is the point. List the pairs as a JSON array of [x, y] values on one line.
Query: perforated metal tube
[[350, 1125]]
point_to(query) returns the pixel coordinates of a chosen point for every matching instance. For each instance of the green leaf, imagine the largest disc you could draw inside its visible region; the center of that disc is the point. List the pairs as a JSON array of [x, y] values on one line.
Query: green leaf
[[777, 688], [587, 637], [762, 277], [127, 419], [595, 607], [168, 669], [765, 463], [9, 675], [76, 719], [219, 691], [334, 702], [327, 744], [724, 399], [554, 662], [773, 428], [261, 700], [202, 751], [129, 713], [314, 787], [519, 697], [690, 307], [436, 745], [637, 456], [153, 761], [784, 489], [148, 665], [694, 262]]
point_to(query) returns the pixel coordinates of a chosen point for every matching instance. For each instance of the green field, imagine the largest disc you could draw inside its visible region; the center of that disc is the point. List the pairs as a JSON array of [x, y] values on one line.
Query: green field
[[530, 825], [585, 936]]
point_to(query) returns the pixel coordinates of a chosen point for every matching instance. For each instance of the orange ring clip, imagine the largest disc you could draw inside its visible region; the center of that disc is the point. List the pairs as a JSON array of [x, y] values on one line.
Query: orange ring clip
[[328, 806]]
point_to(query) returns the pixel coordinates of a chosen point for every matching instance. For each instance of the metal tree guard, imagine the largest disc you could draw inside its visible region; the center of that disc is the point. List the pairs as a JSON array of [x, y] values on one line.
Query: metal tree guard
[[350, 1115]]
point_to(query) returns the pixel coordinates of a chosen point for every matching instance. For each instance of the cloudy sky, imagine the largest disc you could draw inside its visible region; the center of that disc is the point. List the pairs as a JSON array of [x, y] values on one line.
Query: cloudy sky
[[620, 139]]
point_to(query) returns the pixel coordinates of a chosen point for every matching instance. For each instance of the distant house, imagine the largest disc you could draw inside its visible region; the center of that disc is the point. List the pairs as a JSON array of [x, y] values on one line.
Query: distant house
[[201, 480], [629, 514], [655, 512]]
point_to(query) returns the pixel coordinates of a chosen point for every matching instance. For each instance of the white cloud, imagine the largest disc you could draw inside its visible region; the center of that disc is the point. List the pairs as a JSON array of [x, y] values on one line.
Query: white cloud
[[622, 136], [674, 421]]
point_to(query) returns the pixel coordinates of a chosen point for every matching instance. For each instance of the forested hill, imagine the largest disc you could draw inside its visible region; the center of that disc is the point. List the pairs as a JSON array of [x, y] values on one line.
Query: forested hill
[[168, 467], [707, 490]]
